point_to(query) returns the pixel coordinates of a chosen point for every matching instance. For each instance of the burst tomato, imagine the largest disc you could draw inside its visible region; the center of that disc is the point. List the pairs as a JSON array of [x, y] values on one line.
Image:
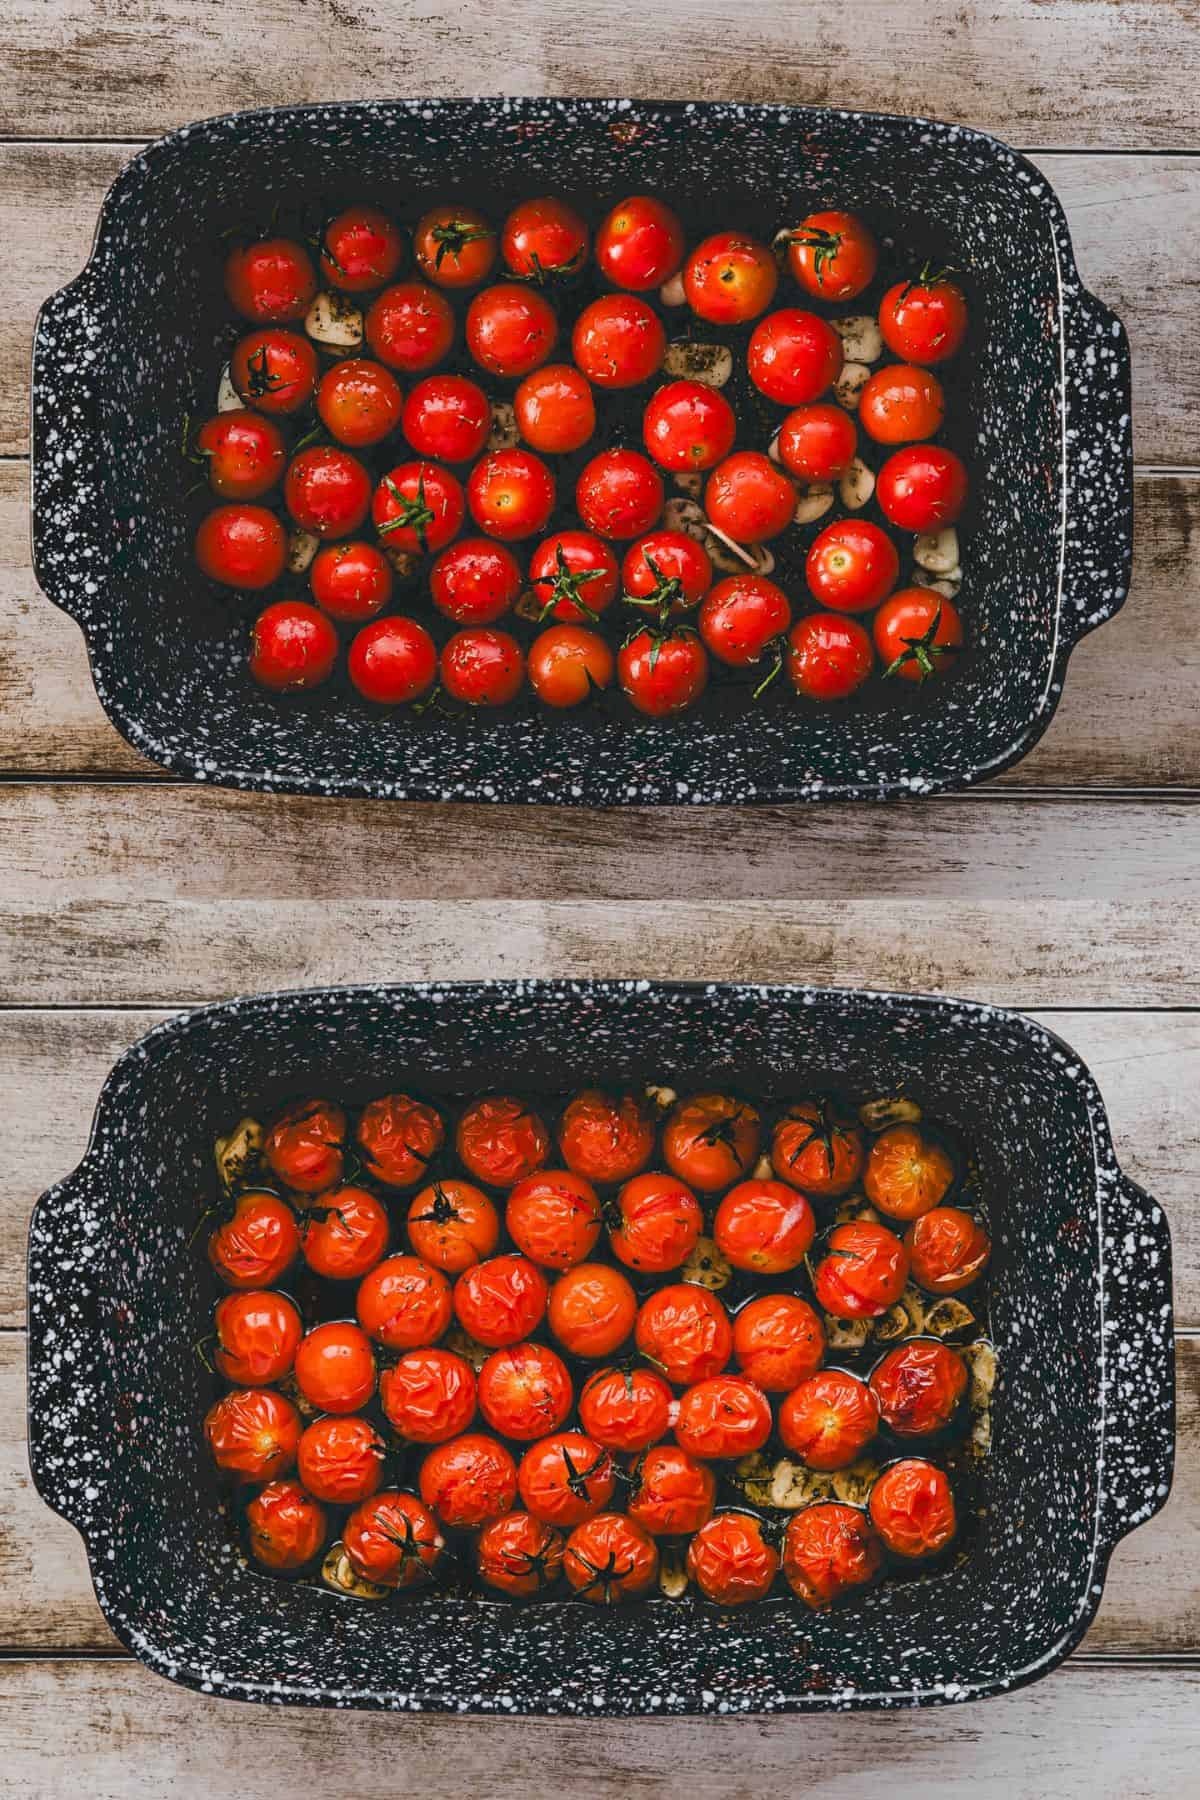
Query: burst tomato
[[829, 1419], [592, 1309], [625, 1408], [829, 1551], [863, 1271], [924, 321], [900, 404], [258, 1244], [566, 1478], [257, 1334], [922, 488], [500, 1301], [453, 1225], [619, 494], [778, 1341], [815, 1149], [469, 1480], [285, 1526], [403, 1303], [252, 1433], [832, 255], [764, 1226], [525, 1391], [725, 1416], [327, 491], [618, 341], [912, 1509], [741, 617], [359, 402], [688, 426], [305, 1145], [393, 1540], [501, 1140], [918, 634], [346, 1235], [418, 507], [817, 443], [575, 576], [949, 1250], [360, 249], [685, 1332], [710, 1140], [274, 371], [567, 665], [730, 1561], [519, 1555], [662, 674], [544, 238], [609, 1559], [335, 1368], [241, 546], [410, 326], [748, 498], [639, 244], [555, 409], [907, 1174], [554, 1218], [919, 1387], [245, 454], [511, 330], [447, 417], [671, 1492], [794, 356], [270, 281], [666, 573], [428, 1395], [829, 656], [474, 581], [852, 566], [511, 494], [730, 278], [655, 1224], [292, 647], [350, 582], [454, 246]]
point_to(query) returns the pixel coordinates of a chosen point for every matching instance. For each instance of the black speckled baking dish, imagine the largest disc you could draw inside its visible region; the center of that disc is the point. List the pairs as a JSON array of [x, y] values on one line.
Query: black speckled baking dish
[[1081, 1318], [135, 343]]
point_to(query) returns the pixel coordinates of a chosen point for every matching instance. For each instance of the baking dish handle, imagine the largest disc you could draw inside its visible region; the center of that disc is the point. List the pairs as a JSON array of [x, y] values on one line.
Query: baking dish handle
[[1098, 523], [1139, 1361]]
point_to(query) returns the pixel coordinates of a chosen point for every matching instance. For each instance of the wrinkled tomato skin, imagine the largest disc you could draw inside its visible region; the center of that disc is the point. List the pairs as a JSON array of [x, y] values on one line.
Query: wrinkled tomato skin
[[258, 1332], [469, 1480], [764, 1226], [801, 1156], [919, 1387], [542, 238], [829, 1419], [404, 1304], [685, 1332], [410, 327], [640, 244], [830, 1551], [454, 246], [525, 1391], [555, 409], [293, 647], [729, 1560], [243, 547], [609, 1559], [724, 1417], [245, 452], [270, 282], [482, 667], [592, 1310], [923, 321], [778, 1341], [304, 1146], [619, 494], [335, 1367], [360, 249], [453, 1225], [359, 402], [258, 1245], [253, 1434], [662, 676], [606, 1137], [393, 1540], [657, 1220], [829, 656], [554, 1218], [519, 1555], [500, 1301], [429, 1395], [285, 1526], [511, 330], [907, 1174], [618, 341], [625, 1409], [501, 1141], [949, 1250], [863, 1271], [673, 1493], [274, 371], [398, 1137], [566, 1478], [730, 278], [344, 1237], [912, 1509], [710, 1140], [447, 417], [794, 357], [832, 255], [475, 581]]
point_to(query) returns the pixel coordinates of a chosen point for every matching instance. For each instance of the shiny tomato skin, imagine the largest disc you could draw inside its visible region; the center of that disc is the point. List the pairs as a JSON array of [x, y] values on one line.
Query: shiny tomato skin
[[428, 1395], [293, 646], [252, 1433], [764, 1226], [351, 582], [923, 321], [724, 1417], [672, 1493], [361, 249], [392, 1540], [685, 1332], [912, 1508], [475, 581], [609, 1559], [554, 1218], [901, 404], [741, 617], [453, 1225], [404, 1304], [592, 1310], [511, 330], [418, 507], [918, 634], [241, 546], [656, 1222], [410, 327], [511, 494], [618, 341], [730, 278], [246, 454], [359, 402], [949, 1250], [832, 255], [305, 1145], [922, 487], [393, 660], [830, 1551], [794, 357], [829, 1419], [640, 244], [454, 246], [327, 491], [335, 1367], [662, 676], [814, 1149], [907, 1174], [555, 410], [285, 1526], [778, 1341], [625, 1409], [710, 1140], [340, 1459], [500, 1140], [566, 1478], [270, 282], [525, 1391], [542, 238], [852, 566], [447, 417], [257, 1334], [688, 426], [919, 1387], [274, 371], [519, 1555], [568, 665], [863, 1271], [829, 656], [397, 1138], [469, 1480], [730, 1561], [258, 1245], [345, 1235], [619, 494], [482, 667], [668, 569], [817, 442], [500, 1301], [748, 498], [574, 576]]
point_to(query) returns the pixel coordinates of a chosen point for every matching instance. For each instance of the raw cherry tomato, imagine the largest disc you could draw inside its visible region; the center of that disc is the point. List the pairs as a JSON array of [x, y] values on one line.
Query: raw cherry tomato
[[392, 1540], [274, 371], [817, 443], [919, 1387], [429, 1395], [832, 255], [609, 1559], [292, 646], [285, 1526], [270, 281], [474, 581], [918, 634], [794, 356], [592, 1309], [410, 326], [418, 507], [742, 617], [660, 674], [688, 426], [327, 491], [454, 246], [500, 1301], [555, 409], [511, 494], [566, 1478], [258, 1245], [666, 572], [924, 321], [305, 1144], [257, 1334], [340, 1459], [360, 249], [640, 244], [482, 667], [567, 665], [359, 402], [907, 1174], [829, 656], [511, 330], [575, 576], [656, 1220], [619, 494], [245, 454], [544, 238], [710, 1140], [404, 1303], [398, 1137], [335, 1368], [453, 1225], [501, 1140], [829, 1419], [685, 1332], [618, 341], [346, 1235], [922, 488], [729, 1560], [241, 546], [625, 1409], [672, 1493], [778, 1341], [852, 566], [392, 661], [350, 581], [949, 1250], [253, 1433], [814, 1149], [900, 403], [863, 1271], [748, 498], [726, 1416], [525, 1391], [829, 1550], [469, 1480], [730, 278], [519, 1555], [764, 1226], [605, 1137], [554, 1218], [447, 417], [912, 1509]]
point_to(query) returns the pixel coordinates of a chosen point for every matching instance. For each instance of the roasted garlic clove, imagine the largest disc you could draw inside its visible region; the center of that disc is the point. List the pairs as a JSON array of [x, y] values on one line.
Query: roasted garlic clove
[[672, 1571], [845, 1334], [469, 1348], [893, 1109], [905, 1319], [338, 1573], [238, 1153], [794, 1486], [662, 1099], [946, 1317], [706, 1267], [852, 1486], [752, 1476]]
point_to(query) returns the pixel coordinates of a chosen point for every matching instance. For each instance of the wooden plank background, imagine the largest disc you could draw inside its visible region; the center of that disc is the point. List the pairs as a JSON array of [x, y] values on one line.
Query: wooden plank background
[[1071, 887]]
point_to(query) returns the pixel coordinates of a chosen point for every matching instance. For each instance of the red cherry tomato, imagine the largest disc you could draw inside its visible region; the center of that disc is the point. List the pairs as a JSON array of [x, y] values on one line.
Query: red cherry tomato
[[511, 330], [619, 494], [428, 1395], [655, 1224], [245, 452], [274, 371], [748, 498], [609, 1559], [418, 507], [863, 1271], [410, 326], [730, 278], [555, 409], [725, 1416], [500, 1301], [912, 1509], [900, 403], [813, 1148], [817, 443], [764, 1226], [829, 656], [922, 488], [340, 1459], [852, 566], [501, 1140], [924, 321], [258, 1245], [519, 1555], [829, 1551], [566, 1478], [360, 249], [639, 244], [919, 1387], [688, 426], [544, 238], [327, 491], [404, 1304], [742, 616], [592, 1309], [393, 660], [832, 255], [778, 1341], [241, 546], [335, 1368], [454, 246], [511, 494], [574, 575], [469, 1480], [553, 1217], [918, 634], [351, 582], [292, 646], [667, 572], [710, 1140], [730, 1561], [474, 581], [794, 356], [257, 1334], [397, 1137], [346, 1235], [618, 341], [829, 1419], [305, 1145], [285, 1526], [392, 1540], [271, 281], [672, 1493], [567, 665], [525, 1391], [252, 1434], [662, 675], [907, 1174], [685, 1332], [447, 417], [453, 1225], [949, 1250], [359, 402], [625, 1409], [482, 667]]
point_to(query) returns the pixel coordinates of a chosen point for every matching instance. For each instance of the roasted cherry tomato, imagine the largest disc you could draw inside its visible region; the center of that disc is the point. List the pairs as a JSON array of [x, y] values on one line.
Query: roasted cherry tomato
[[684, 1331], [555, 409], [392, 661], [292, 647], [469, 1480], [829, 1419], [345, 1235], [305, 1145], [241, 547], [428, 1395], [918, 634], [544, 238], [730, 278], [764, 1226], [359, 402], [778, 1341], [568, 664], [245, 453], [500, 1140], [829, 1551], [813, 1148], [949, 1250], [327, 491], [619, 494], [817, 443], [454, 246], [257, 1334], [335, 1367], [640, 244], [285, 1526], [609, 1559], [274, 371], [397, 1138], [410, 327], [393, 1540], [482, 667], [900, 404], [863, 1271], [554, 1218], [566, 1478], [447, 417], [258, 1244], [474, 581], [688, 426], [725, 1416], [511, 494], [671, 1492], [907, 1174], [404, 1303], [519, 1555], [453, 1225], [655, 1222], [418, 507], [912, 1509], [574, 576], [742, 617], [270, 281], [618, 341], [666, 573], [662, 674], [525, 1391], [625, 1408], [919, 1387], [592, 1309], [500, 1301], [794, 356], [922, 488], [748, 498], [924, 321], [730, 1561], [252, 1433], [511, 330], [350, 582], [710, 1140], [829, 656], [832, 255], [606, 1137], [852, 566], [360, 249]]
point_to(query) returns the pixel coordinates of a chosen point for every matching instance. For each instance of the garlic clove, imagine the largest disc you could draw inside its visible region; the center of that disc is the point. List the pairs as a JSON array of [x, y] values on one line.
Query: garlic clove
[[238, 1153], [338, 1573], [334, 321], [856, 485], [892, 1109], [504, 433], [302, 546], [228, 398], [815, 501], [711, 364], [671, 293], [862, 340], [937, 551], [847, 389]]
